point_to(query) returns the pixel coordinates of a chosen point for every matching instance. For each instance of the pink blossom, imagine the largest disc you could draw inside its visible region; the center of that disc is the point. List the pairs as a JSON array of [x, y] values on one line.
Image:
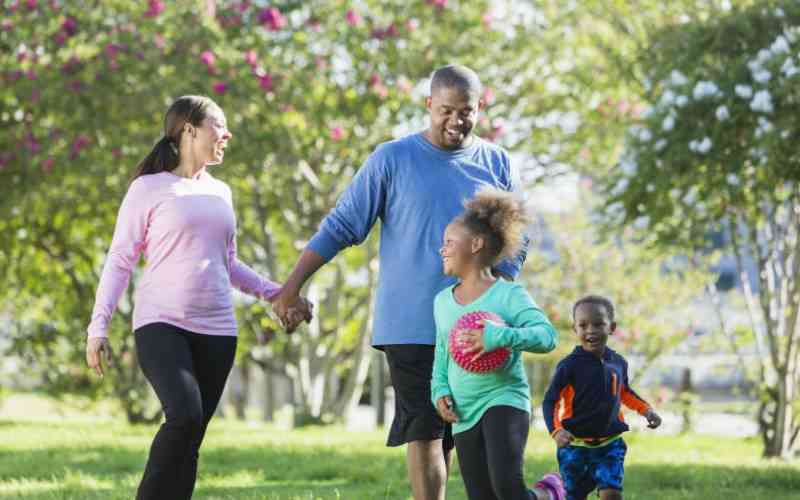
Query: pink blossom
[[22, 56], [7, 25], [272, 19], [320, 62], [337, 133], [159, 41], [440, 4], [486, 19], [488, 96], [352, 17], [47, 165], [31, 144], [314, 24], [244, 6], [75, 86], [383, 33], [80, 142], [116, 153], [13, 7], [412, 25], [208, 58], [72, 65], [381, 90], [31, 74], [69, 26], [31, 4], [112, 49], [265, 82], [154, 8], [5, 159], [251, 57], [60, 38], [219, 87]]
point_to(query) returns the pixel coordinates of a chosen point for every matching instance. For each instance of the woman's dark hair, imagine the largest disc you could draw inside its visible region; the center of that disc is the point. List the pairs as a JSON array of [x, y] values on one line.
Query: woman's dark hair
[[164, 155], [500, 219]]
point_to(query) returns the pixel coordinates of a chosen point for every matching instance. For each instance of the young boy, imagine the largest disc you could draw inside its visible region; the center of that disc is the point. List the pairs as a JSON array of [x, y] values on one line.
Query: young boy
[[582, 406]]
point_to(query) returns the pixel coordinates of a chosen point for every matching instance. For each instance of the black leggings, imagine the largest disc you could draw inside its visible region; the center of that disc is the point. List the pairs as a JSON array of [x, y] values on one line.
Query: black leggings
[[188, 373], [490, 455]]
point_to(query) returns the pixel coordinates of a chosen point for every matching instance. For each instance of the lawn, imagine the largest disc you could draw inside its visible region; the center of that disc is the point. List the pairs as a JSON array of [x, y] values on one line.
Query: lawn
[[83, 458]]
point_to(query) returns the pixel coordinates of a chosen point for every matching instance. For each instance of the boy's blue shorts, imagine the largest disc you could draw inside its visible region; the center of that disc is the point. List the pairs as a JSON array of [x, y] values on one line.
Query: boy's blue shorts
[[585, 469]]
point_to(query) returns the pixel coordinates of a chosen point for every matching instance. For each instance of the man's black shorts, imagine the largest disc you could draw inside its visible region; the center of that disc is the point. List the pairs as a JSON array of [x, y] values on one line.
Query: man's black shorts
[[415, 418]]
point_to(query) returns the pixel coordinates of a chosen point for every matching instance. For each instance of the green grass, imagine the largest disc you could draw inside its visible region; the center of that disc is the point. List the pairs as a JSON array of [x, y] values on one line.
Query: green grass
[[80, 458]]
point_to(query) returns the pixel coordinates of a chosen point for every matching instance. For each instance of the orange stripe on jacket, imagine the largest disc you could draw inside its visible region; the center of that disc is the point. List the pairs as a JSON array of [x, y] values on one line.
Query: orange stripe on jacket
[[563, 407], [633, 402]]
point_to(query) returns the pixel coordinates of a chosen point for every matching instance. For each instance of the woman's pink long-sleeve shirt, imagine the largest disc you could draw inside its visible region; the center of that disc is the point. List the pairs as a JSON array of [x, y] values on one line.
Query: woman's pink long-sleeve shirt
[[186, 229]]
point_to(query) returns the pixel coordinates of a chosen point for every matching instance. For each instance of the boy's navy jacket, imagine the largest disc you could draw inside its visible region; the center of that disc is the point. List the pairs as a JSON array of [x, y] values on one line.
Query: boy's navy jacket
[[585, 395]]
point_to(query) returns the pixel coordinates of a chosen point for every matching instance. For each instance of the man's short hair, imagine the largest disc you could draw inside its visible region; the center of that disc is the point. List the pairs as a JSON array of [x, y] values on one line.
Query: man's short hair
[[456, 76]]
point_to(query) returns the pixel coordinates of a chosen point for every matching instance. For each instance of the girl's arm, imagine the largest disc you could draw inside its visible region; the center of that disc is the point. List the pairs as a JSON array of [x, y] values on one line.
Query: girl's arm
[[440, 386], [530, 330]]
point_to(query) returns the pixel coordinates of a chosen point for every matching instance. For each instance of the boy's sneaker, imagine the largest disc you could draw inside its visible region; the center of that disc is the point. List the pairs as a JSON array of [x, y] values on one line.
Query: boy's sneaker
[[553, 484]]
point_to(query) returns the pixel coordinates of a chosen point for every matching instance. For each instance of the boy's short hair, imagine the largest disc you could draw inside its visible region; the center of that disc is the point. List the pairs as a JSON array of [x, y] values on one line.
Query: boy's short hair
[[595, 300]]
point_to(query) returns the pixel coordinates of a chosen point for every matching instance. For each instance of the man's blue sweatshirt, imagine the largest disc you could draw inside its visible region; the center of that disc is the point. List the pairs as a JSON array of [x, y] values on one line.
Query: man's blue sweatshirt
[[415, 189]]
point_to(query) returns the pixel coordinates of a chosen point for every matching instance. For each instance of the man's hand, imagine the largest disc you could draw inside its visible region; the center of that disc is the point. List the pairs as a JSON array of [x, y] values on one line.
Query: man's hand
[[291, 309], [653, 420], [445, 408], [98, 348], [563, 438]]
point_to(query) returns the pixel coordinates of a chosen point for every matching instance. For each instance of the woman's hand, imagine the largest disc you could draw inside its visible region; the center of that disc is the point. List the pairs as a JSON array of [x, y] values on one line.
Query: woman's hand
[[98, 348]]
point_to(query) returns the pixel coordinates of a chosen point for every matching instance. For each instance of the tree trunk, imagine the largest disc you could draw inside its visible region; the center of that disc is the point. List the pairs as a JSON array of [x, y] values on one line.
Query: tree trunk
[[354, 385], [378, 388], [269, 396], [241, 390], [781, 431]]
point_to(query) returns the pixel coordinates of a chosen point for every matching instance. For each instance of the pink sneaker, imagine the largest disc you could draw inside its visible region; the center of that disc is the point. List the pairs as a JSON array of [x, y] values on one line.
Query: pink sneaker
[[553, 484]]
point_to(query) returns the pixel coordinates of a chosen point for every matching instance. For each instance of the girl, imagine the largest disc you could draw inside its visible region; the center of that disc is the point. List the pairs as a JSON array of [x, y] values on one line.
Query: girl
[[490, 412], [182, 220]]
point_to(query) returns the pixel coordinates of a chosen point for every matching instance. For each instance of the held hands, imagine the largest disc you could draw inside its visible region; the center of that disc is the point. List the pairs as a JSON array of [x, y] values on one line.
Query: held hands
[[292, 309], [445, 408], [98, 348], [653, 420], [563, 438]]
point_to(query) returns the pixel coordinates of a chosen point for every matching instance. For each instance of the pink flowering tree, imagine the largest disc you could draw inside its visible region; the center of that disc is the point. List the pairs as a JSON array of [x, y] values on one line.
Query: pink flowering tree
[[715, 152], [309, 89]]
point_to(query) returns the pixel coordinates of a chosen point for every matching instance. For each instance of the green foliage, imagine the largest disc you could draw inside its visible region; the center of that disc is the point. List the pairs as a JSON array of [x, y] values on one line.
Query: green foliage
[[715, 154], [309, 89], [715, 145]]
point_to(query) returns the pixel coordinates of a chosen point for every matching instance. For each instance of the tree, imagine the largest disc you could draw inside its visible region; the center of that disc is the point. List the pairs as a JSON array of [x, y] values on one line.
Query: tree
[[309, 89], [715, 153]]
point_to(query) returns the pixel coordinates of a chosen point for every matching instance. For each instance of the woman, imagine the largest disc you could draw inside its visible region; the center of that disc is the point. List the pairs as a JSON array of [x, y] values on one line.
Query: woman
[[182, 220]]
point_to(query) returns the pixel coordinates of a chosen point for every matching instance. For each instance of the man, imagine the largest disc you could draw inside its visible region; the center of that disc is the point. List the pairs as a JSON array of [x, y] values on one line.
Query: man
[[415, 185]]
